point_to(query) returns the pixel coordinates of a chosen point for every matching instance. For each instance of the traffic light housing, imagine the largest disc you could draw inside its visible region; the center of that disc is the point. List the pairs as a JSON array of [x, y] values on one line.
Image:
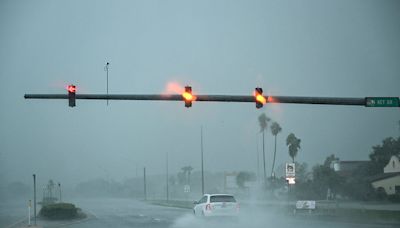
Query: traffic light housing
[[71, 95], [188, 96], [259, 98]]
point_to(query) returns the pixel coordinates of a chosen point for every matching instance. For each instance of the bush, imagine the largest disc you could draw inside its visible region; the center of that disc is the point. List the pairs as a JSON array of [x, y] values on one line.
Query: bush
[[394, 198], [59, 211], [380, 194]]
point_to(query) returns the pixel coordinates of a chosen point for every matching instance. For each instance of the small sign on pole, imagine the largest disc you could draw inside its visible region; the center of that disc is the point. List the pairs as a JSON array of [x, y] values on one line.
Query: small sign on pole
[[305, 204], [186, 188], [291, 180], [290, 169], [290, 173]]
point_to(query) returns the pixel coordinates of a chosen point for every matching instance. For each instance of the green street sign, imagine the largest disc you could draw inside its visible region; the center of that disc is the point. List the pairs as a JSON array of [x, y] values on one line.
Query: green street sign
[[382, 102]]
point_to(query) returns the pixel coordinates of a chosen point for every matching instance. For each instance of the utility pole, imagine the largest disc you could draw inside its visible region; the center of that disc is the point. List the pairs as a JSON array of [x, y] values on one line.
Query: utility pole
[[59, 188], [399, 128], [167, 180], [202, 160], [34, 197], [144, 183]]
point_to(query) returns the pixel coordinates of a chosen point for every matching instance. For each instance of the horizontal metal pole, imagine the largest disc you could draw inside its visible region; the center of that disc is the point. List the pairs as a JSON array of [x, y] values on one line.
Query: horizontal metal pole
[[216, 98], [318, 100], [173, 97]]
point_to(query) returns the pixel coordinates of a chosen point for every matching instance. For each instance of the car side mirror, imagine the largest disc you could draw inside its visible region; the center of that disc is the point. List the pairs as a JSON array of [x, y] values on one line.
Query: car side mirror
[[195, 202]]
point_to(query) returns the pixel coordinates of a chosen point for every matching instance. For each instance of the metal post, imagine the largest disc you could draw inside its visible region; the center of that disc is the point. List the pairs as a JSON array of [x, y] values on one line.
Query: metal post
[[144, 183], [44, 189], [29, 213], [202, 161], [34, 197]]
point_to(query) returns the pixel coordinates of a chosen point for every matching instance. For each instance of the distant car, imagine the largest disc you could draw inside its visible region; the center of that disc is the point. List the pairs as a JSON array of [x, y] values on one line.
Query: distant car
[[216, 205]]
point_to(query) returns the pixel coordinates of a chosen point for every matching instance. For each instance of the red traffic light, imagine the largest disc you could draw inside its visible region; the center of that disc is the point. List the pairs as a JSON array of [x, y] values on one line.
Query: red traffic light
[[71, 89], [71, 95]]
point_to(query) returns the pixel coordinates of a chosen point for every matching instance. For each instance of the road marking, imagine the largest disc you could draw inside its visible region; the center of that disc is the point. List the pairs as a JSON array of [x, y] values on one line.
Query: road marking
[[78, 221], [16, 223]]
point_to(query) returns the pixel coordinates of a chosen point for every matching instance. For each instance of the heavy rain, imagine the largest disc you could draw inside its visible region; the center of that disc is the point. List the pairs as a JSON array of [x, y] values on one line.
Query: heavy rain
[[204, 113]]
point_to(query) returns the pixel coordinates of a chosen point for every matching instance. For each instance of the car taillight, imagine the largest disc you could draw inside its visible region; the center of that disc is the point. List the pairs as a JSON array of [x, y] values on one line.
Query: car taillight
[[208, 207], [237, 207]]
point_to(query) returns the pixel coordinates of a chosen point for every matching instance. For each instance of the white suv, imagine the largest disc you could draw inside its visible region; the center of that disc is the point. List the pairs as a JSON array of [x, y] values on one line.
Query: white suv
[[216, 205]]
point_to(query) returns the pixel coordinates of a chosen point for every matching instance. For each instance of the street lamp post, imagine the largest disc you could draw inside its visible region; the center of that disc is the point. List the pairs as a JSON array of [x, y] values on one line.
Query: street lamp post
[[144, 183], [202, 161], [34, 197], [59, 188], [167, 180]]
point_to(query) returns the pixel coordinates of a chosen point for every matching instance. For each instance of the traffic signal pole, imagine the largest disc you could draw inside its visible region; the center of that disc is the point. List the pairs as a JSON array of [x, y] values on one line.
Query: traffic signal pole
[[212, 98]]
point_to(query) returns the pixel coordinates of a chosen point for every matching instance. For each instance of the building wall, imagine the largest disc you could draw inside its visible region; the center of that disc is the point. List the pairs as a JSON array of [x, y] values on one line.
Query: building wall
[[393, 165], [388, 184]]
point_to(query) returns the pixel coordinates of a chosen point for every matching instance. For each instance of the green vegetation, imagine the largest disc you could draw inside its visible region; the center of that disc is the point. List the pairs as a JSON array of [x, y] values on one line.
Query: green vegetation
[[184, 176], [356, 186], [59, 211], [263, 121], [244, 177], [275, 129], [293, 144], [381, 154]]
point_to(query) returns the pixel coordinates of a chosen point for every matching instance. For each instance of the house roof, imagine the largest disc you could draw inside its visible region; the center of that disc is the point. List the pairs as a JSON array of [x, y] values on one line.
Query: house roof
[[383, 176], [347, 168], [353, 162]]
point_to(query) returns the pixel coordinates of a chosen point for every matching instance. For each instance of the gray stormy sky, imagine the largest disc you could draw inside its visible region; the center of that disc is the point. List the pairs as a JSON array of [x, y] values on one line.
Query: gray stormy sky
[[300, 48]]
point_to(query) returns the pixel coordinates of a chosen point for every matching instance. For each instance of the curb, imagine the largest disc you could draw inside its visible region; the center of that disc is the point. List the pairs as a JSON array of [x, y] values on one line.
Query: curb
[[23, 223]]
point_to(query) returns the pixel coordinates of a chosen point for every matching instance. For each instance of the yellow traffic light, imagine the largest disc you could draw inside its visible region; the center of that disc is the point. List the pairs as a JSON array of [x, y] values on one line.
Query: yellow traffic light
[[260, 99]]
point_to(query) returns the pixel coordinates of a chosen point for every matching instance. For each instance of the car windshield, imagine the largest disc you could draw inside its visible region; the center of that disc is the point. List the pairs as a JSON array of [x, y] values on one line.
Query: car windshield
[[222, 198]]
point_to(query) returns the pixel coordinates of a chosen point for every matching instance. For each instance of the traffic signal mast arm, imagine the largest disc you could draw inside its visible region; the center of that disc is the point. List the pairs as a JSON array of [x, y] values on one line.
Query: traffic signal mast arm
[[223, 98]]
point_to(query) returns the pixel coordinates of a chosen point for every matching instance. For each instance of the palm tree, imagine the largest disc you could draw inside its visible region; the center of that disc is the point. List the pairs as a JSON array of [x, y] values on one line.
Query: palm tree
[[187, 170], [275, 129], [294, 145], [263, 121], [50, 187]]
